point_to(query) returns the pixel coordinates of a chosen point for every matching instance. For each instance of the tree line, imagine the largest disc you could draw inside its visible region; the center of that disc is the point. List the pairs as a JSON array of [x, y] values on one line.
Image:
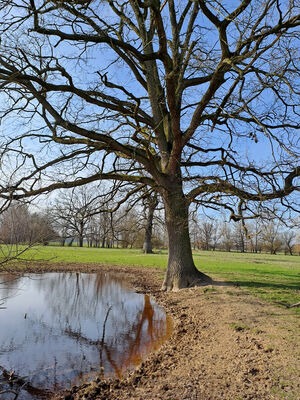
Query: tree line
[[73, 218], [259, 236], [85, 216]]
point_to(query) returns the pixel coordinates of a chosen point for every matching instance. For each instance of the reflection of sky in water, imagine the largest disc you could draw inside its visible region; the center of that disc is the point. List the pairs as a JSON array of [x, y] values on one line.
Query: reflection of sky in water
[[61, 340]]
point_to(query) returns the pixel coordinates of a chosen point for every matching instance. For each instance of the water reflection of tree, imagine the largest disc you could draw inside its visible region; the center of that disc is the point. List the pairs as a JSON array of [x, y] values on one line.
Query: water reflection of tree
[[79, 300], [74, 294], [133, 338], [9, 285], [145, 333], [149, 330]]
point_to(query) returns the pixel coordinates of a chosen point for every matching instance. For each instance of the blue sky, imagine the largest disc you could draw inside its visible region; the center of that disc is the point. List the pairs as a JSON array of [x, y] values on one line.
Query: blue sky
[[99, 58]]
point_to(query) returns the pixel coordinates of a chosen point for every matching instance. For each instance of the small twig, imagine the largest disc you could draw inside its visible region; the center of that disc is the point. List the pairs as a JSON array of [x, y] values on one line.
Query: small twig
[[11, 392], [162, 6]]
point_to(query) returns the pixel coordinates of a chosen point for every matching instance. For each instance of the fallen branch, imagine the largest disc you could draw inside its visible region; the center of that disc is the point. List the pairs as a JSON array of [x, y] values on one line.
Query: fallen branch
[[295, 305]]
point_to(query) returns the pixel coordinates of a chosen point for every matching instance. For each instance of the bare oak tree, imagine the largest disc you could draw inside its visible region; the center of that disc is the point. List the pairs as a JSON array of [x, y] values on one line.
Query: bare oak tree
[[272, 240], [73, 210], [174, 95], [288, 239], [208, 233]]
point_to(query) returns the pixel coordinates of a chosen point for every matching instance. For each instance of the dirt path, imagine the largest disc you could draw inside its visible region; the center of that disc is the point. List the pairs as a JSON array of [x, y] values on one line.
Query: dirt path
[[226, 345]]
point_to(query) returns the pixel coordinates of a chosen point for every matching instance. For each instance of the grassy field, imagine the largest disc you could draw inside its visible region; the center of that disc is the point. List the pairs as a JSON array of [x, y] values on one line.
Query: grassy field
[[275, 278]]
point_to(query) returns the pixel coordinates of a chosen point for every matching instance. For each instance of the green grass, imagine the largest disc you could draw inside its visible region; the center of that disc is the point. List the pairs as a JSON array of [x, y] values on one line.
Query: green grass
[[275, 278], [95, 255]]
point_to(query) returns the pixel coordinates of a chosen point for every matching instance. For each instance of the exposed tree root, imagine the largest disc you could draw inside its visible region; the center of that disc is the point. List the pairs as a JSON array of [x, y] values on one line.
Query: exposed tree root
[[175, 283]]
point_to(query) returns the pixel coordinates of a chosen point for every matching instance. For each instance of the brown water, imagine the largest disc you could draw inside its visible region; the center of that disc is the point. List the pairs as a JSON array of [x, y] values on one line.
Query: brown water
[[59, 329]]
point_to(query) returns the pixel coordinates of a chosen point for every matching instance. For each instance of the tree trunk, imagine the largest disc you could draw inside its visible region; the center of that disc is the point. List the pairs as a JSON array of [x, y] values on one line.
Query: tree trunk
[[147, 246], [152, 204], [181, 271]]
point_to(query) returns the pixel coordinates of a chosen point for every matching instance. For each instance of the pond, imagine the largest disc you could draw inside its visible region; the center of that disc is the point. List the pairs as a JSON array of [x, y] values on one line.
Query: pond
[[60, 329]]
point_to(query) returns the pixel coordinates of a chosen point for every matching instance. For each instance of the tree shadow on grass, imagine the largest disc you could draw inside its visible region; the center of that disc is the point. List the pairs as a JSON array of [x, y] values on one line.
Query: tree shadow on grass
[[259, 285]]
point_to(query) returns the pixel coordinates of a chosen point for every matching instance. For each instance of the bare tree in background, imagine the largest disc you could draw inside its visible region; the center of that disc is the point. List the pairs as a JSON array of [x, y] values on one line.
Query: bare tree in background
[[150, 202], [99, 230], [131, 229], [15, 225], [208, 233], [271, 237], [288, 239], [109, 228], [226, 236], [72, 212], [21, 229], [172, 95], [254, 233], [239, 237]]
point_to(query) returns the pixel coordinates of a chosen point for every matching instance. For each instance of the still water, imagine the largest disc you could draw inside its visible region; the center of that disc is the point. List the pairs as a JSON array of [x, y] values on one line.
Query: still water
[[58, 329]]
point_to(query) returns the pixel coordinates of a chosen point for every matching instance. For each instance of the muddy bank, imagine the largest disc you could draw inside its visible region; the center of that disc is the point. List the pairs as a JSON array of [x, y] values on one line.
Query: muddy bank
[[226, 344]]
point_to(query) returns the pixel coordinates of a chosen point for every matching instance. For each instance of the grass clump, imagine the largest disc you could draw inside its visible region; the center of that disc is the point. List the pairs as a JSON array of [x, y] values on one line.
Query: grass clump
[[238, 326]]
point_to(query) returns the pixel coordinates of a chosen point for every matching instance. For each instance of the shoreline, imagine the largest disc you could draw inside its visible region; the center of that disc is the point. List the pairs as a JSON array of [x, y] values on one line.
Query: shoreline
[[226, 344]]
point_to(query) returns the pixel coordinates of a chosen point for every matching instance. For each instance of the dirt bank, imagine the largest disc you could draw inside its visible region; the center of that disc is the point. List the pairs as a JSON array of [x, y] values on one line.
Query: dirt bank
[[226, 344]]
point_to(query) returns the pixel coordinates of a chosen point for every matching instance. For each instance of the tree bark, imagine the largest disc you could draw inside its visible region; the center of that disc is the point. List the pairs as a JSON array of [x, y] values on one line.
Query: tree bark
[[152, 204], [147, 247], [181, 271]]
